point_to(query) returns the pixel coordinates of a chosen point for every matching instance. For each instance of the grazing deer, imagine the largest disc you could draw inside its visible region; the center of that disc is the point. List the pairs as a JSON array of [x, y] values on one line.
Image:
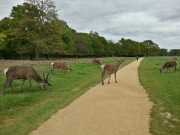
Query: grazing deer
[[59, 65], [175, 58], [168, 65], [110, 69], [96, 61], [23, 72]]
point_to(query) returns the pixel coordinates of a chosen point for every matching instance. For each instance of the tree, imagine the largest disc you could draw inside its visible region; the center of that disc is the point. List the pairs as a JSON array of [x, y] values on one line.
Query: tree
[[163, 52], [152, 48], [81, 47], [37, 24], [2, 37], [97, 45]]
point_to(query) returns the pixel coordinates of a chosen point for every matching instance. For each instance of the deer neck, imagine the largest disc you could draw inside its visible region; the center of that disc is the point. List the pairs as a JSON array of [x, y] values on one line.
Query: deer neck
[[119, 64], [38, 79]]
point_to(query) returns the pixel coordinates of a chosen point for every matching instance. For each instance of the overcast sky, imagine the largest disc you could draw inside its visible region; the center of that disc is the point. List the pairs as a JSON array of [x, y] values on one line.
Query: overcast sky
[[137, 20]]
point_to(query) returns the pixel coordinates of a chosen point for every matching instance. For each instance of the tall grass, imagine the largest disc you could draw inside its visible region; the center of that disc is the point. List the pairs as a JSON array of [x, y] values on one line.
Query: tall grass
[[164, 90], [23, 112]]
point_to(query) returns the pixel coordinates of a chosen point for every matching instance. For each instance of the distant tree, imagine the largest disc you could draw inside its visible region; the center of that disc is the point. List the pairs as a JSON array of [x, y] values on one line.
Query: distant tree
[[37, 23], [152, 48], [97, 45], [129, 47], [174, 52], [2, 37], [81, 46], [163, 52]]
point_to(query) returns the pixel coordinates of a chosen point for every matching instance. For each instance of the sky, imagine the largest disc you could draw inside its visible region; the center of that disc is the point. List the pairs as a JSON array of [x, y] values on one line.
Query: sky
[[137, 20]]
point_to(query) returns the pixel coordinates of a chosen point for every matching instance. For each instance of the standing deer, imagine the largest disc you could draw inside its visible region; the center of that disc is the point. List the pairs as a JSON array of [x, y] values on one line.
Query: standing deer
[[59, 65], [168, 65], [23, 72], [96, 61], [110, 69]]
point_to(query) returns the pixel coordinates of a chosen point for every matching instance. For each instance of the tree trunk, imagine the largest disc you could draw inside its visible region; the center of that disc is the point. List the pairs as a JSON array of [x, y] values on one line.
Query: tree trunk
[[37, 54]]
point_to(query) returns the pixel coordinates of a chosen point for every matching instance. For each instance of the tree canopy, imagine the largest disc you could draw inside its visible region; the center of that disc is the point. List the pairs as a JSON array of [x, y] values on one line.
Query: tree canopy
[[33, 29]]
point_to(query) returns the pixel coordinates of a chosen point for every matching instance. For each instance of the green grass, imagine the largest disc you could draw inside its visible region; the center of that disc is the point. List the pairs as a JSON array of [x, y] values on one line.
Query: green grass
[[164, 90], [23, 112]]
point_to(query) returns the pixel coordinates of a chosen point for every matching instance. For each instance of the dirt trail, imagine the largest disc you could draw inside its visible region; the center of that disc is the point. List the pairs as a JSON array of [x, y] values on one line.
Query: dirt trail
[[121, 108]]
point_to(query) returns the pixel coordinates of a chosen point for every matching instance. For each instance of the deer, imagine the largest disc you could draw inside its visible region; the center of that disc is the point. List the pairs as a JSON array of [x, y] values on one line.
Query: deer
[[96, 61], [168, 65], [175, 58], [23, 72], [60, 65], [110, 69]]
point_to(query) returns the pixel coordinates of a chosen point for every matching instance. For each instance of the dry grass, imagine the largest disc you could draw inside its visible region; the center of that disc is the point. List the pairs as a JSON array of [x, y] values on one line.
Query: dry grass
[[7, 63]]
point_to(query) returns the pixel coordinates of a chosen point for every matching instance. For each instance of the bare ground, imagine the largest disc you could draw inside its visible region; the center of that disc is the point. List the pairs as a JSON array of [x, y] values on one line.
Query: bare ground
[[121, 108]]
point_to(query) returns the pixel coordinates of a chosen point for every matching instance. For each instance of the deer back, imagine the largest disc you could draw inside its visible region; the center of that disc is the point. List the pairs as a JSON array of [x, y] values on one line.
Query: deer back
[[170, 64], [58, 65], [21, 72], [109, 68]]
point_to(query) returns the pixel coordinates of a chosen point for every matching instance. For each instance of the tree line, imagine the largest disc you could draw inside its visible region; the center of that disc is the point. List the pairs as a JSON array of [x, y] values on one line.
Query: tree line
[[34, 30]]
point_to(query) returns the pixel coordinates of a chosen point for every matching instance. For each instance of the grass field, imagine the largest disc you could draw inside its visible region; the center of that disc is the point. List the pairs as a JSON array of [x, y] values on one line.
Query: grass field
[[164, 90], [23, 112]]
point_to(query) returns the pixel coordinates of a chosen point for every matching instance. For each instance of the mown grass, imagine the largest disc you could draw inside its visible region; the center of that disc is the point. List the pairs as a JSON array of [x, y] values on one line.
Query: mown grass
[[164, 90], [23, 112]]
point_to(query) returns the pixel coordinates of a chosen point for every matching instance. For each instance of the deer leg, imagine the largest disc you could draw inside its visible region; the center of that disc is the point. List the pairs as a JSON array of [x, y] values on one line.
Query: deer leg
[[52, 70], [22, 84], [115, 77], [4, 86], [30, 84], [109, 78], [102, 75], [166, 70], [10, 84]]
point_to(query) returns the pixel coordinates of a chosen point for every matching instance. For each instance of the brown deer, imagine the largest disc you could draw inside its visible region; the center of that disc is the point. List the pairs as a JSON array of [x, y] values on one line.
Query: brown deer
[[110, 69], [59, 65], [168, 65], [23, 72], [96, 61], [175, 58]]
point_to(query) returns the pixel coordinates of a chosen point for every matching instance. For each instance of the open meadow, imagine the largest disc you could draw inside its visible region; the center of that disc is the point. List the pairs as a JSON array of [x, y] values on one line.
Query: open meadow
[[23, 112], [164, 90]]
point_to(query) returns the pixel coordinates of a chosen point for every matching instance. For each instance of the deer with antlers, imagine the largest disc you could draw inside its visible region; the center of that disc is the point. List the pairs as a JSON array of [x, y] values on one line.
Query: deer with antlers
[[23, 72], [110, 69]]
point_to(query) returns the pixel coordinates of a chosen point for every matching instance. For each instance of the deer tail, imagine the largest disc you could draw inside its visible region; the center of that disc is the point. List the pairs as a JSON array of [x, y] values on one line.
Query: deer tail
[[5, 71], [52, 64], [102, 67]]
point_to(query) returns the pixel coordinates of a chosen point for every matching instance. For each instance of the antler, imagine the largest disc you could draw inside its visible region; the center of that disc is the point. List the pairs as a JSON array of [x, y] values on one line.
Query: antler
[[46, 79], [115, 58], [119, 60]]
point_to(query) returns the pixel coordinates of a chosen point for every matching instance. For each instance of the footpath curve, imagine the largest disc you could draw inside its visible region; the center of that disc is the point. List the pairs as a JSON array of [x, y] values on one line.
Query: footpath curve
[[121, 108]]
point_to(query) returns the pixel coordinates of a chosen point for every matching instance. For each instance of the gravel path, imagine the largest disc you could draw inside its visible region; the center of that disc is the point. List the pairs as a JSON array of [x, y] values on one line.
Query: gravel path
[[121, 108]]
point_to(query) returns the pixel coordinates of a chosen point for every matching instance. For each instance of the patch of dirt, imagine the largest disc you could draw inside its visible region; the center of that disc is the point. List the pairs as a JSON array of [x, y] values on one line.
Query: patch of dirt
[[121, 108]]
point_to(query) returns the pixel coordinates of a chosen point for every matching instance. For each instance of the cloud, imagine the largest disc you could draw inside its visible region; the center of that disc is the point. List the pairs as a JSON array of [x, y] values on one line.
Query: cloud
[[115, 19]]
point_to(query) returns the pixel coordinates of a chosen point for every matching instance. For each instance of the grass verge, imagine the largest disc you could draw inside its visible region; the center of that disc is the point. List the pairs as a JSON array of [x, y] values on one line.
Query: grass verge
[[164, 90], [25, 111]]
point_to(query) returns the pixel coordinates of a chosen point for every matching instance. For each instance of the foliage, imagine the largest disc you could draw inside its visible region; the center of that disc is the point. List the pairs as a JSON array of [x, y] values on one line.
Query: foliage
[[2, 37], [33, 29], [153, 48], [174, 52]]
